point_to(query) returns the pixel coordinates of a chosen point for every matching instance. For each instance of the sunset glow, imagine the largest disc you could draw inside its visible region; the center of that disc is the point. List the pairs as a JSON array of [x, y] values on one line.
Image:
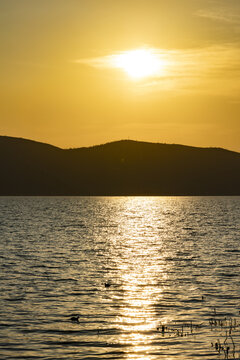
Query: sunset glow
[[82, 73], [139, 63]]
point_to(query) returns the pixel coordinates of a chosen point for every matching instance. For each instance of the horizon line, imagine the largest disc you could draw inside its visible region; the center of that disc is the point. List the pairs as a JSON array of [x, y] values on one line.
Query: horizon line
[[120, 140]]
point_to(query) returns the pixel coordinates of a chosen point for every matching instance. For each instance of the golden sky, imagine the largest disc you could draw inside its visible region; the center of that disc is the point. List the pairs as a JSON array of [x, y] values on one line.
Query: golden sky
[[71, 71]]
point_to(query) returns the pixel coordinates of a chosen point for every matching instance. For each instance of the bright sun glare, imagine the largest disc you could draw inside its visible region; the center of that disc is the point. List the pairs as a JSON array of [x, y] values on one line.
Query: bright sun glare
[[139, 63]]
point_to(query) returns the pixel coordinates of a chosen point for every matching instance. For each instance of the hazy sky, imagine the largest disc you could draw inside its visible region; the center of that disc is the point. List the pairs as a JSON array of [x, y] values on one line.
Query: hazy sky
[[58, 84]]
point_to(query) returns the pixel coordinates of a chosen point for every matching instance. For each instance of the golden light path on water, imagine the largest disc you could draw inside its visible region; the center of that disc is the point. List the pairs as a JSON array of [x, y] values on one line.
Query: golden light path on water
[[141, 269]]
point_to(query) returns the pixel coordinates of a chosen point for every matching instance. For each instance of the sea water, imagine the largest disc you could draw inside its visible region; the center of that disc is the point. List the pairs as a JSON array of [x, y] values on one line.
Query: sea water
[[172, 265]]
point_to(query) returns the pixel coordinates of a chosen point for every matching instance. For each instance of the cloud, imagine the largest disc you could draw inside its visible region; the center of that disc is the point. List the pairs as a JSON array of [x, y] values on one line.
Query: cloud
[[212, 70], [210, 61], [225, 15]]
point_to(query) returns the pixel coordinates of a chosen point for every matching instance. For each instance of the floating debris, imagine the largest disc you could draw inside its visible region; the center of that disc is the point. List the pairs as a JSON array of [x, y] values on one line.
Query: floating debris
[[226, 329]]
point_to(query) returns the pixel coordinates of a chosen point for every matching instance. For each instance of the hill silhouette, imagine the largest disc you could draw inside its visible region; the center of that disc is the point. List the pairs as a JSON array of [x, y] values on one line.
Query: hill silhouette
[[123, 167]]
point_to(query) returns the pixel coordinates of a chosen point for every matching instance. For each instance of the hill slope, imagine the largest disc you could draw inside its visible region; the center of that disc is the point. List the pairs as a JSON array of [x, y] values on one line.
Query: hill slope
[[119, 168]]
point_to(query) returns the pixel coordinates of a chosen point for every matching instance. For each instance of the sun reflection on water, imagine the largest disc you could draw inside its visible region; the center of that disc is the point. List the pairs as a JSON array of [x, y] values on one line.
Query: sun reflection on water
[[141, 270]]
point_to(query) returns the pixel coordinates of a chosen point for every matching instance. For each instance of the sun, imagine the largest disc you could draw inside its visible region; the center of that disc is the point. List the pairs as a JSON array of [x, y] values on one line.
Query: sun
[[139, 63]]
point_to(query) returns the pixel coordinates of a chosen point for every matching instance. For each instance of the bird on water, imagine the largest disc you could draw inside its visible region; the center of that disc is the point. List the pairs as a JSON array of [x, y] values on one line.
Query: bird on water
[[107, 285], [74, 318]]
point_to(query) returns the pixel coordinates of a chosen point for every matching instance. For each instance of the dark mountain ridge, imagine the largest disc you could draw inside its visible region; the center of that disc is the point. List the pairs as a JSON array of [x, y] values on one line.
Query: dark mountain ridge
[[123, 167]]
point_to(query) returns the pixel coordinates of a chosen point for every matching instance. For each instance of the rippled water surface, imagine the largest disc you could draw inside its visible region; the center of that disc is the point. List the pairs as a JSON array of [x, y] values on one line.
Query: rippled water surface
[[172, 264]]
